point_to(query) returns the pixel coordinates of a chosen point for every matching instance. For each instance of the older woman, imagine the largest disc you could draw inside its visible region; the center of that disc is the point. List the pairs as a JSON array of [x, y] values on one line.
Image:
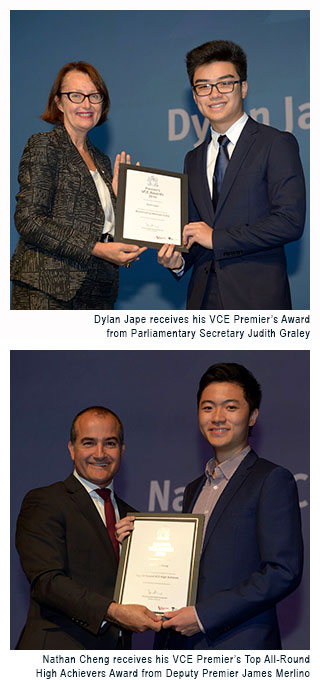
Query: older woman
[[66, 257]]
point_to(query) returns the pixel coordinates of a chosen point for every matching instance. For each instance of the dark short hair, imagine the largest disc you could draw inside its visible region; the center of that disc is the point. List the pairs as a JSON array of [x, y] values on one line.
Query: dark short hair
[[100, 411], [52, 114], [234, 373], [217, 50]]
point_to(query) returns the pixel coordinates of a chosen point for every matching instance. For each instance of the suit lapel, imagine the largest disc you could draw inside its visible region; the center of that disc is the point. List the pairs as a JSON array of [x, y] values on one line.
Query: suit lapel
[[123, 507], [72, 153], [197, 173], [78, 164], [242, 148], [227, 495], [84, 504], [107, 178], [193, 493]]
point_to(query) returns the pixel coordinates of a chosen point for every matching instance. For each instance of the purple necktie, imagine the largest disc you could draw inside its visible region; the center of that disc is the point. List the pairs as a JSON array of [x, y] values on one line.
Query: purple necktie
[[220, 168], [110, 517]]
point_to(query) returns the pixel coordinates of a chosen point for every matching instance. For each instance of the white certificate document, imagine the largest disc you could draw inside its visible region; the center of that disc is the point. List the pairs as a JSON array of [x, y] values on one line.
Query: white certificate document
[[151, 206], [160, 565]]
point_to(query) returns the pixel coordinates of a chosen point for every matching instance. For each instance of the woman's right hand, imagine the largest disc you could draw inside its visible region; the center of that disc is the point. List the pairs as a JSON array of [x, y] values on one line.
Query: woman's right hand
[[122, 157], [117, 253]]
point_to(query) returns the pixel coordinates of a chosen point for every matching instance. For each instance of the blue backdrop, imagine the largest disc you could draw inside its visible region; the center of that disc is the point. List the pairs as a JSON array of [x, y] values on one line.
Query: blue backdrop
[[141, 54], [154, 394]]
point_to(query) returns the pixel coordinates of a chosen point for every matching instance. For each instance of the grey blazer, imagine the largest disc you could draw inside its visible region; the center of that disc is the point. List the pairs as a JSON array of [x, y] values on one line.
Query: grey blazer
[[59, 217]]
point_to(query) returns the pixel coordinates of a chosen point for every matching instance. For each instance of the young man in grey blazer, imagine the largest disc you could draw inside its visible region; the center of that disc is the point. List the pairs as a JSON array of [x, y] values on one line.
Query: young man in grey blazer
[[252, 551]]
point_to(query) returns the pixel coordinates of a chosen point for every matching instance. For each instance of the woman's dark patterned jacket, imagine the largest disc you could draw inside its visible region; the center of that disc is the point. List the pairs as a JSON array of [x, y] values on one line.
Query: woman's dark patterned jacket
[[59, 216]]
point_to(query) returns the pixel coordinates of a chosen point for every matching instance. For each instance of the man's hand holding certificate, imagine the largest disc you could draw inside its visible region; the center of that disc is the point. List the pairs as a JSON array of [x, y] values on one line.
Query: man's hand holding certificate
[[159, 560]]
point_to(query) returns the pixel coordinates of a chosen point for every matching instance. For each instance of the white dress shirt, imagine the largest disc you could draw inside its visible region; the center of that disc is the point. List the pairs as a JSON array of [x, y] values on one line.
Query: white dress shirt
[[105, 199], [233, 134], [96, 499]]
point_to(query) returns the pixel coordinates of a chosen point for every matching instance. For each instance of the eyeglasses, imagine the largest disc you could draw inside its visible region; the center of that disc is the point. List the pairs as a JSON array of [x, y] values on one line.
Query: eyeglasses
[[223, 87], [79, 97]]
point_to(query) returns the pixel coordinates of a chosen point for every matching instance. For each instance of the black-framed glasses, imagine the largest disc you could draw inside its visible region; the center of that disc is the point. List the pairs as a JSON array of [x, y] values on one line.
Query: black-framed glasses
[[223, 87], [79, 97]]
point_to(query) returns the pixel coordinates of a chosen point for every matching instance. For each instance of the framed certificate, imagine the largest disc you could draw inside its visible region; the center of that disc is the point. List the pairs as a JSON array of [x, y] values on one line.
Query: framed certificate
[[159, 562], [152, 206]]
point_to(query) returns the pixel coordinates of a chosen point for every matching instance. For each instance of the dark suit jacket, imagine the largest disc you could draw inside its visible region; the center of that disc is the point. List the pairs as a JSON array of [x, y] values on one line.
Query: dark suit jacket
[[260, 208], [251, 558], [59, 217], [69, 560]]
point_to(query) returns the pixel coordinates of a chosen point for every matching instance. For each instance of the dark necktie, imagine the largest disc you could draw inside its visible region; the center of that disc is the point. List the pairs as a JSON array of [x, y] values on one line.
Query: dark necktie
[[110, 517], [220, 168]]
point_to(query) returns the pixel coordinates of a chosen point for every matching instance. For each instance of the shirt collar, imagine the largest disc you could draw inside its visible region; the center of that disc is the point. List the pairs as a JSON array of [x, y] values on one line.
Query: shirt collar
[[234, 131], [228, 467], [89, 486]]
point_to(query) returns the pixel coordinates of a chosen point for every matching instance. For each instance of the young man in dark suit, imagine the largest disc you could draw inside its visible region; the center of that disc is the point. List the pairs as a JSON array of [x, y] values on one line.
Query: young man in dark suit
[[246, 194], [252, 550], [68, 550]]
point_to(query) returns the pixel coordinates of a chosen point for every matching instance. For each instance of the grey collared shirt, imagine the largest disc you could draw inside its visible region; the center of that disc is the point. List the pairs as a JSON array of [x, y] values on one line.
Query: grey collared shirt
[[217, 478]]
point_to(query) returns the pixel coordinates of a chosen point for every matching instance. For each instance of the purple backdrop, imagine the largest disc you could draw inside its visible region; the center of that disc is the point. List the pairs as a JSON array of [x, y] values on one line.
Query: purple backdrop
[[154, 394]]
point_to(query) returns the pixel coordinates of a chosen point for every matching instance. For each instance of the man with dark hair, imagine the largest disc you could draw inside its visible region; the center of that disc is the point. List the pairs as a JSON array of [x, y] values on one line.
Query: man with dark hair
[[233, 373], [252, 549], [246, 194], [68, 549]]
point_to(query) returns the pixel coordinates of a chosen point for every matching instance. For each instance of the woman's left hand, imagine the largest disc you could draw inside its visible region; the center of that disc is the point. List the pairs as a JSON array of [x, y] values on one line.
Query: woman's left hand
[[122, 157]]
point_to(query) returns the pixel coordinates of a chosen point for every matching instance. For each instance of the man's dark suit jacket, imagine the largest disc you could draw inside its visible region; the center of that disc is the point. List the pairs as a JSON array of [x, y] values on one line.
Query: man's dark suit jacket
[[251, 558], [260, 208], [69, 560], [60, 218]]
